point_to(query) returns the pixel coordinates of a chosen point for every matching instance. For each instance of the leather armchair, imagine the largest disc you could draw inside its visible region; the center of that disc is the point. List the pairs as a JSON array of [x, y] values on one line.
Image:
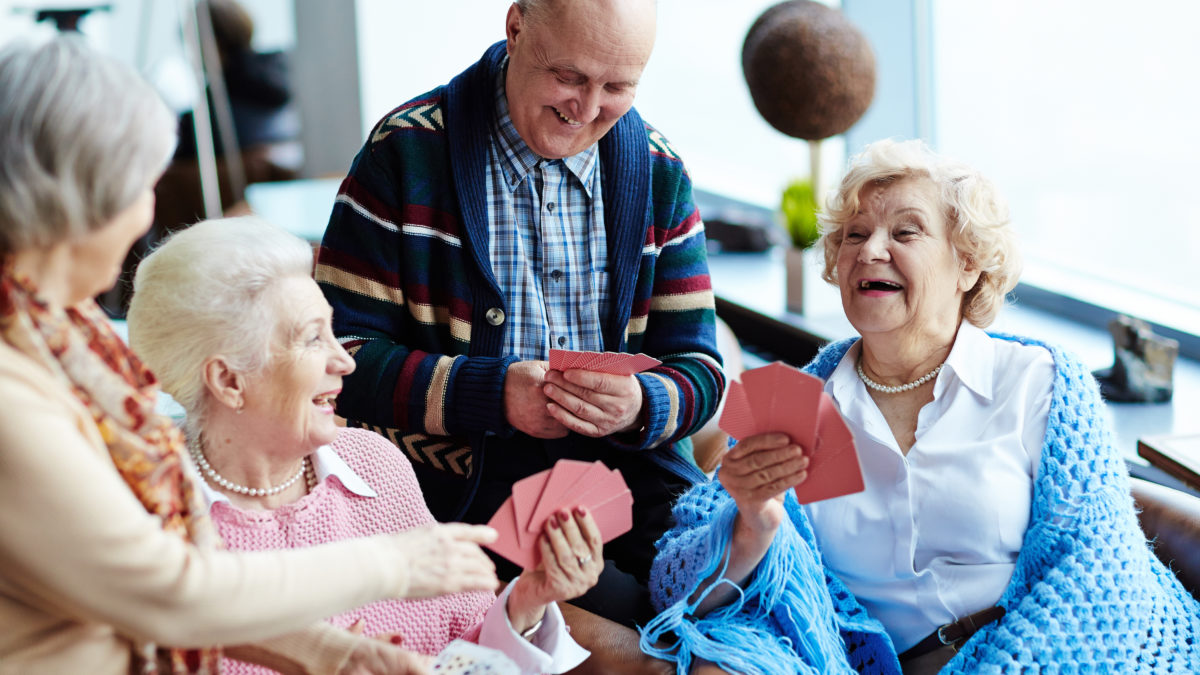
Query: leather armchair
[[1171, 520]]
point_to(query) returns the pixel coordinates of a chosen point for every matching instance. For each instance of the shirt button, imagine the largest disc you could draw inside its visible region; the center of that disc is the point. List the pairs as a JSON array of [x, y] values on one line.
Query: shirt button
[[550, 207], [561, 340], [494, 316], [556, 275]]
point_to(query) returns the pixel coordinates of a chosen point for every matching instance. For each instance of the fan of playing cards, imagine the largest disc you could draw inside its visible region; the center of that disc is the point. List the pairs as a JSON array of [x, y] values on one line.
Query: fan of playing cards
[[778, 397], [569, 483], [615, 363]]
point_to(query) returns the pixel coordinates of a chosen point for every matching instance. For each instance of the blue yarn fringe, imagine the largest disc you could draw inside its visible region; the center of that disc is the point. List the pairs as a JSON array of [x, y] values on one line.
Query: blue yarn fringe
[[786, 591]]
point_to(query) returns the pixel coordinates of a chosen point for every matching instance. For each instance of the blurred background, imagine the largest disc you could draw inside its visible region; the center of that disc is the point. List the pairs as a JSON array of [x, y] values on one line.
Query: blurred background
[[1079, 110]]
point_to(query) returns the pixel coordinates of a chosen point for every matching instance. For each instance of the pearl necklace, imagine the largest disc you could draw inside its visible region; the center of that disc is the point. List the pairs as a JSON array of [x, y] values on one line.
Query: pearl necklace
[[214, 477], [887, 389]]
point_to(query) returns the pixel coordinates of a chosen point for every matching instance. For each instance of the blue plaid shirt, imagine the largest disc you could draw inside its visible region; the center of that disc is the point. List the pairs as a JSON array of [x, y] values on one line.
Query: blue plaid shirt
[[547, 247]]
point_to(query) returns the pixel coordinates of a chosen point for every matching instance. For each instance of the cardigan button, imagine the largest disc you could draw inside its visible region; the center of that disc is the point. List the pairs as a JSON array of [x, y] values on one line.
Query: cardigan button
[[494, 316]]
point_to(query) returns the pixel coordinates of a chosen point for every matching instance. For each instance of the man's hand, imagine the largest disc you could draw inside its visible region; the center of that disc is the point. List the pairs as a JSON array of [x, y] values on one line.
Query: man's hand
[[525, 402], [594, 404]]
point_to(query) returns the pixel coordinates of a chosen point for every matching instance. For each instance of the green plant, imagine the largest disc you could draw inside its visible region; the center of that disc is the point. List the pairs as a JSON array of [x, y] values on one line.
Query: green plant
[[799, 206]]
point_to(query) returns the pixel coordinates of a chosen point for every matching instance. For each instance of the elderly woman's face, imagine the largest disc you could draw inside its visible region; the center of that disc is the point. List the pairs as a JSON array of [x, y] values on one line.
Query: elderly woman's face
[[293, 396], [97, 255], [896, 266]]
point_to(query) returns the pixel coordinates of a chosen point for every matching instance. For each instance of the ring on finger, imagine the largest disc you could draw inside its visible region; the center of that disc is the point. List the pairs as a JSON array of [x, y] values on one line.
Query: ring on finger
[[583, 560]]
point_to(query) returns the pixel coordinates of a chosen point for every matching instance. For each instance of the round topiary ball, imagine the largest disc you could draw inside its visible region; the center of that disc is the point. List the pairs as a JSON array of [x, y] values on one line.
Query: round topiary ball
[[810, 71]]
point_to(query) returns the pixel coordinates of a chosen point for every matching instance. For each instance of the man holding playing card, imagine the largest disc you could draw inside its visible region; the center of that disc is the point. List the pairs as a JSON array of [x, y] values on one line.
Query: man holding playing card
[[526, 207], [991, 528]]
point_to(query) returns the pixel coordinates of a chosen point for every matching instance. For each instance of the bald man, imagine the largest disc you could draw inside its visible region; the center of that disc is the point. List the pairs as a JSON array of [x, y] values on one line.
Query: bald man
[[523, 207]]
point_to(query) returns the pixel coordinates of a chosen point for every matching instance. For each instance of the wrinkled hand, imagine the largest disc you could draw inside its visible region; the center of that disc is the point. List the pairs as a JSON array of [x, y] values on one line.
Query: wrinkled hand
[[525, 402], [376, 657], [594, 404], [444, 559], [572, 558], [757, 472]]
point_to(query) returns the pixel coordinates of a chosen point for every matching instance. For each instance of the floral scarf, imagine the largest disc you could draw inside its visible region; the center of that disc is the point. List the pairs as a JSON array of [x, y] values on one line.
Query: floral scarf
[[79, 347]]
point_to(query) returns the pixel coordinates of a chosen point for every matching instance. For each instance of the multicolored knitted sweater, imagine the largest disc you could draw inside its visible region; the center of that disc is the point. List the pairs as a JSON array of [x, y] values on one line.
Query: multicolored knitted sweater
[[405, 264], [1087, 589]]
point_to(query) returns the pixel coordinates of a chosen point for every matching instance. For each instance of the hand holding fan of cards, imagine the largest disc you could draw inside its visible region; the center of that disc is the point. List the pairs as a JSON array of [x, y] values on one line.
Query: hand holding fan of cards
[[780, 398], [522, 518]]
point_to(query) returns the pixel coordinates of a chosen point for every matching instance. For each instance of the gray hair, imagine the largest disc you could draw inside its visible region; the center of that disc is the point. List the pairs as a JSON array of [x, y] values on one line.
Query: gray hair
[[976, 215], [81, 136], [207, 292]]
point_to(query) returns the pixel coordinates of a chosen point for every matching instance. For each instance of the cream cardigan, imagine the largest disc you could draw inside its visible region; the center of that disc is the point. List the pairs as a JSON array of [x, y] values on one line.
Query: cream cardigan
[[85, 570]]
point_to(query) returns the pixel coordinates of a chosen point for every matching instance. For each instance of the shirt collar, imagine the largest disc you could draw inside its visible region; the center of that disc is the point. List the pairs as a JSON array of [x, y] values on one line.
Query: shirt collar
[[326, 463], [971, 361], [517, 160]]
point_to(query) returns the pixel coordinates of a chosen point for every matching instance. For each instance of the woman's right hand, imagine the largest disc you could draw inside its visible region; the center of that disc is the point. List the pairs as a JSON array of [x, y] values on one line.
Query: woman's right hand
[[446, 558], [757, 472], [376, 657]]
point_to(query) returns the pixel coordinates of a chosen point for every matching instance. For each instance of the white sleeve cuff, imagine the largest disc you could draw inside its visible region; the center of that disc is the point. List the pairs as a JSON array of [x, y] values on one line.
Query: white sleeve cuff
[[552, 649]]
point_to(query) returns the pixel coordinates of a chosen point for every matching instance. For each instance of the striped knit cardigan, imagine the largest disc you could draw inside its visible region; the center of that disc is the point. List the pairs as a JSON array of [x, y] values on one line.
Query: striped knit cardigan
[[405, 264]]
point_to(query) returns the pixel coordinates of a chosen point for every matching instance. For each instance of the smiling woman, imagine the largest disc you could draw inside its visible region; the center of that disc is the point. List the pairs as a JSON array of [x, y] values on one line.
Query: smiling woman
[[107, 562], [229, 315], [994, 497]]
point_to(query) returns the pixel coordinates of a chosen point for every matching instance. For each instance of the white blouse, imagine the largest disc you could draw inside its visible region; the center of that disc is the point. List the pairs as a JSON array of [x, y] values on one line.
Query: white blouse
[[935, 534]]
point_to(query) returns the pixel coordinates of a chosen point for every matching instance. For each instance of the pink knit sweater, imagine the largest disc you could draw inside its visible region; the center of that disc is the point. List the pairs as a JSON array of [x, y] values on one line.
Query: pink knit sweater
[[330, 512]]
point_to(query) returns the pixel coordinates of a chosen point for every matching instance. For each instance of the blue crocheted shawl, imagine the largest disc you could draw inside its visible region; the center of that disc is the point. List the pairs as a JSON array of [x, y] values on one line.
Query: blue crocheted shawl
[[1087, 590]]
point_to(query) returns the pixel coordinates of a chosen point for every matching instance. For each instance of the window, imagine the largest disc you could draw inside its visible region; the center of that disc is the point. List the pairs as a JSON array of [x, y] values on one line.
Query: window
[[1083, 113]]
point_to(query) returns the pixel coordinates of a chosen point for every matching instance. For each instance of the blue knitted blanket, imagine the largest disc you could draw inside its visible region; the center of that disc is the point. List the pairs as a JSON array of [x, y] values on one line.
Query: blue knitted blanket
[[1087, 594]]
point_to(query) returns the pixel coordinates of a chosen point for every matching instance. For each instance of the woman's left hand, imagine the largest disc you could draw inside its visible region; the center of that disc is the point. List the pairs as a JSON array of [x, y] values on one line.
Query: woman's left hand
[[572, 558]]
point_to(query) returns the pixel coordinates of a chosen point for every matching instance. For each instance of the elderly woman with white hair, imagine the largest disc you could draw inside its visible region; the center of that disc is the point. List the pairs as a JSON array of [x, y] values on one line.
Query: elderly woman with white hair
[[995, 531], [228, 316], [108, 563]]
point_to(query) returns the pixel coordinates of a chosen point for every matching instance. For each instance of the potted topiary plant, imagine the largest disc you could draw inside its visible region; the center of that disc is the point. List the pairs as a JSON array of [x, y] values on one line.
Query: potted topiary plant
[[799, 207]]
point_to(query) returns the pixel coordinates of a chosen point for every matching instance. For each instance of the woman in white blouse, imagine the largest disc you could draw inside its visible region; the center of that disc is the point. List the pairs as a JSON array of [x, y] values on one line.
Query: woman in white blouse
[[934, 403], [993, 497]]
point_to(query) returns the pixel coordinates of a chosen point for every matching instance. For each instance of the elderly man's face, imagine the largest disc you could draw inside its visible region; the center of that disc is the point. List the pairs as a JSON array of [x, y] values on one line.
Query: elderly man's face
[[572, 75]]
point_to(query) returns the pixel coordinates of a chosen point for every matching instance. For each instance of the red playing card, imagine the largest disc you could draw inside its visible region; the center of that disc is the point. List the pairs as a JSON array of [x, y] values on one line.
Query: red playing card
[[621, 363], [505, 523], [566, 477], [784, 399], [525, 495], [614, 517], [601, 488], [737, 419], [833, 468], [630, 364], [603, 359], [557, 357]]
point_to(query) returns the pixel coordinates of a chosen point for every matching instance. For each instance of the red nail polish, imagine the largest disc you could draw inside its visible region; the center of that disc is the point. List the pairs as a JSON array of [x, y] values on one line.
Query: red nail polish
[[554, 523], [580, 510], [396, 639]]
